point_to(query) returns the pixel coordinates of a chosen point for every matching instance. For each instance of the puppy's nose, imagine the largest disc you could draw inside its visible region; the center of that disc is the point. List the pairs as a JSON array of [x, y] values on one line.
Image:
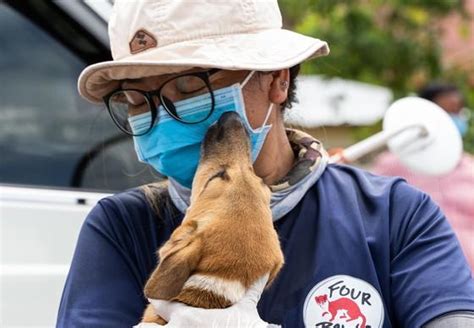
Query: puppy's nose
[[227, 138], [229, 119]]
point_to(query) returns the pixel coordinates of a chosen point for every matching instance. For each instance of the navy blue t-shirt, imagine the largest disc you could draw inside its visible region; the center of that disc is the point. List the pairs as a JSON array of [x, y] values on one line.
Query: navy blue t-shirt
[[360, 250]]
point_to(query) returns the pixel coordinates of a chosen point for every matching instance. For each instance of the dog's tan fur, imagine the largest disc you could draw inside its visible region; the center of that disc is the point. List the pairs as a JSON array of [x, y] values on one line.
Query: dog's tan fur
[[227, 234]]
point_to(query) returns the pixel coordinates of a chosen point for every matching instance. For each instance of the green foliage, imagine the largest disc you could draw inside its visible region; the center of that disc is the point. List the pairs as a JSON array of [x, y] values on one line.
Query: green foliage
[[393, 43]]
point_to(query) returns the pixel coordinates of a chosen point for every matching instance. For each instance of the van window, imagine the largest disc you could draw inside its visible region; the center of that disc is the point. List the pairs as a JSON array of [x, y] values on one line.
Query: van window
[[49, 135]]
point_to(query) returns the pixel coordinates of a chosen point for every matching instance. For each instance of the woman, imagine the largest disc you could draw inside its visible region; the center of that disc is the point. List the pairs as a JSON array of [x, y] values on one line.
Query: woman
[[359, 249]]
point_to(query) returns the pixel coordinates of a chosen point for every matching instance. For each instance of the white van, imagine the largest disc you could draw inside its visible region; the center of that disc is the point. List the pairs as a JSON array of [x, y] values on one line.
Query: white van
[[58, 154]]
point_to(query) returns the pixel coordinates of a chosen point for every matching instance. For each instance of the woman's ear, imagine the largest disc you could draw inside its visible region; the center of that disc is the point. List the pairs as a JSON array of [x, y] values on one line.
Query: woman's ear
[[279, 86]]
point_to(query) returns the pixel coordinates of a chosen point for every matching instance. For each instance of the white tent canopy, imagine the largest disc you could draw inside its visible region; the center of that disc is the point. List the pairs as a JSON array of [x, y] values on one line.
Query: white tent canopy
[[334, 101]]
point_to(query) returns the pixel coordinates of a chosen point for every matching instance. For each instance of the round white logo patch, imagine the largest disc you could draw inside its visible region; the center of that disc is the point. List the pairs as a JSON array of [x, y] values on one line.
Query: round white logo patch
[[343, 302]]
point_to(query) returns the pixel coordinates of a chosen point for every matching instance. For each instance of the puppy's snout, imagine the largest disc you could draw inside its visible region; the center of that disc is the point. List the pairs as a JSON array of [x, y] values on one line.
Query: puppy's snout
[[230, 120], [228, 135], [229, 127]]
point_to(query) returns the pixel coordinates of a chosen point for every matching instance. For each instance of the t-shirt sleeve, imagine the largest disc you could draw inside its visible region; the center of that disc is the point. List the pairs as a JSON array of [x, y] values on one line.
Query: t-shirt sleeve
[[429, 273], [102, 289]]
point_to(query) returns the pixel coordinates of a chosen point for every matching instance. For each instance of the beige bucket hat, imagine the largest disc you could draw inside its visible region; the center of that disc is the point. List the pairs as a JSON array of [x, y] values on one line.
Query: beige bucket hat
[[153, 37]]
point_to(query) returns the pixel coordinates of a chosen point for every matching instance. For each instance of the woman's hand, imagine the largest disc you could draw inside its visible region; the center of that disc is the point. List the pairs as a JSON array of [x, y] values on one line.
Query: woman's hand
[[240, 315]]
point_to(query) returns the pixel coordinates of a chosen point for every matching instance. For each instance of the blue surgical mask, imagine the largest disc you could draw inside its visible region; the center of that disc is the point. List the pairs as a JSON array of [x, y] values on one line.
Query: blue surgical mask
[[462, 123], [173, 148]]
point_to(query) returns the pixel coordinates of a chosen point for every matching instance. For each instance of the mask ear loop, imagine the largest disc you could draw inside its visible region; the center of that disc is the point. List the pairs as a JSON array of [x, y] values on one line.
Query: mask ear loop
[[269, 112], [270, 108], [249, 76]]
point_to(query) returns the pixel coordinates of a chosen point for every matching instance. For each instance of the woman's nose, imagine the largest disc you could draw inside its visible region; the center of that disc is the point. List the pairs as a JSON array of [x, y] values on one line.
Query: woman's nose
[[134, 98]]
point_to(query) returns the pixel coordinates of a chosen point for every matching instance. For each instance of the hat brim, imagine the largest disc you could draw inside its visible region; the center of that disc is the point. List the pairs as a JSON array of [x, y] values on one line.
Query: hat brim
[[265, 50]]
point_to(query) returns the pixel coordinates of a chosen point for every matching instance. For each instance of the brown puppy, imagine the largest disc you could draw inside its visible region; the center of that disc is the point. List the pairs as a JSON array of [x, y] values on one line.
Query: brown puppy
[[226, 240]]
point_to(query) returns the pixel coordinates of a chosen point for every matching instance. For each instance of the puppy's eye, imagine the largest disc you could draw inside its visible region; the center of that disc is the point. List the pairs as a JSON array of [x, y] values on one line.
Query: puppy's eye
[[222, 174]]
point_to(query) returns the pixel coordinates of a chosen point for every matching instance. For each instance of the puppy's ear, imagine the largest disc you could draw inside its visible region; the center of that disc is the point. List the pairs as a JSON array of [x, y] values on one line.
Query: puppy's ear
[[178, 259]]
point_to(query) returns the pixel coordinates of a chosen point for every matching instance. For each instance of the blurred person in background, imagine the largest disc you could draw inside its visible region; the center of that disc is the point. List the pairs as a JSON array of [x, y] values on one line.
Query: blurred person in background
[[454, 191]]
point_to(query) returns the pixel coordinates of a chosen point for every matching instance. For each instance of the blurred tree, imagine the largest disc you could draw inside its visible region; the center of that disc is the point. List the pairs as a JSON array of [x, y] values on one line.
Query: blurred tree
[[394, 43]]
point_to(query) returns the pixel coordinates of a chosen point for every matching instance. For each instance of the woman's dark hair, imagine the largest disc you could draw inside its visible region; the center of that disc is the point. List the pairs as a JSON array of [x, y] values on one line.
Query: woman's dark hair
[[435, 89], [160, 201], [294, 71]]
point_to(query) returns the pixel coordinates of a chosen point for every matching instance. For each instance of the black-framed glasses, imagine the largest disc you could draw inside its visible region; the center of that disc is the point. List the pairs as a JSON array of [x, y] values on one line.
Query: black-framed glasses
[[124, 104]]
